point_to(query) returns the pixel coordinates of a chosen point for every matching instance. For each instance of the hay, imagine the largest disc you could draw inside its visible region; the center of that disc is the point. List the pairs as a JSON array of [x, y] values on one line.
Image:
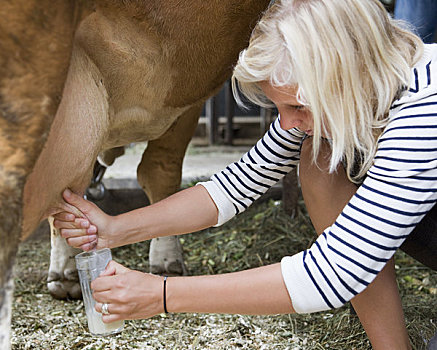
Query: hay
[[258, 237]]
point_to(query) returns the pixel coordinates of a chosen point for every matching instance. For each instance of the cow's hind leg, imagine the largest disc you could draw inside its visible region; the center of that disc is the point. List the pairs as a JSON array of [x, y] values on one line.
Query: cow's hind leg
[[159, 174], [63, 280]]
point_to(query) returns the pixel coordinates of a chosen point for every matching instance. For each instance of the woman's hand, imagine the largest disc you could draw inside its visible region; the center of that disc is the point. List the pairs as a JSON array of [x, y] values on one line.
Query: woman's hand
[[88, 233], [129, 294]]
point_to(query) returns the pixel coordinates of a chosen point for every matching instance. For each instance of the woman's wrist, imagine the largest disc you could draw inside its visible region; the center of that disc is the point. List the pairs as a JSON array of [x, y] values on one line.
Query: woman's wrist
[[114, 232], [129, 228]]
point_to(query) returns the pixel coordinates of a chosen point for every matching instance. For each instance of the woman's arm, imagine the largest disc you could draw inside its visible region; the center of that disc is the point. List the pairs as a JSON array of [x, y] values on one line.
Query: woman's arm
[[185, 211], [242, 182], [258, 291], [136, 295]]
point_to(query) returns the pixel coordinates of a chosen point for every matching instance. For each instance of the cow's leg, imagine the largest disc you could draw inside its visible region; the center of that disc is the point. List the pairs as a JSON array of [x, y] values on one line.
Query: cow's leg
[[62, 280], [35, 41], [159, 174]]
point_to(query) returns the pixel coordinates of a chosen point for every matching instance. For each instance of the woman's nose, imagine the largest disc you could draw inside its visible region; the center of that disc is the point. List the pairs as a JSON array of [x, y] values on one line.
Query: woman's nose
[[289, 122]]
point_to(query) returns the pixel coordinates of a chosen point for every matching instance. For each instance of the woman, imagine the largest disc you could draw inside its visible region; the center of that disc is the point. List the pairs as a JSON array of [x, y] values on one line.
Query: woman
[[357, 97]]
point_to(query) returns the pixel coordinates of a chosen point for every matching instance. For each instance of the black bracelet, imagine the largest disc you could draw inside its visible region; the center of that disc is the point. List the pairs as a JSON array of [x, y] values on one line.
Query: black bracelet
[[165, 295]]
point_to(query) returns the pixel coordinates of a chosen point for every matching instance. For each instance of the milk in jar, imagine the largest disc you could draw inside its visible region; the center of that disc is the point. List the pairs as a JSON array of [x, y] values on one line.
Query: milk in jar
[[89, 266]]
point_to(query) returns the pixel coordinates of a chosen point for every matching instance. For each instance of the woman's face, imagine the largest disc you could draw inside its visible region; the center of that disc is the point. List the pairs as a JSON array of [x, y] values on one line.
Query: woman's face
[[293, 114]]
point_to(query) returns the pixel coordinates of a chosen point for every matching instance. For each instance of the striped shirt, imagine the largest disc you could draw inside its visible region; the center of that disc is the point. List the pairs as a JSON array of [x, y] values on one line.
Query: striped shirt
[[399, 189]]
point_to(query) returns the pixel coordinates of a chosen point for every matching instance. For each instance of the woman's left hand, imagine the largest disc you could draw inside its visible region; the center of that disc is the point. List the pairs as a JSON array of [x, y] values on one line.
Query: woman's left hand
[[129, 294]]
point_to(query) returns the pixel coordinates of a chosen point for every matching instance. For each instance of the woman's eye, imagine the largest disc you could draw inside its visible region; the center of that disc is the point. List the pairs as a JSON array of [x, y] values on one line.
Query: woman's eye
[[297, 107]]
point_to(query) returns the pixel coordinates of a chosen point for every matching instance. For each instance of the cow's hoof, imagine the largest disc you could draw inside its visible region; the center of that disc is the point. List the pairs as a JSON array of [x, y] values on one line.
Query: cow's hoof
[[165, 257], [64, 289], [63, 279], [173, 268], [71, 274], [66, 286]]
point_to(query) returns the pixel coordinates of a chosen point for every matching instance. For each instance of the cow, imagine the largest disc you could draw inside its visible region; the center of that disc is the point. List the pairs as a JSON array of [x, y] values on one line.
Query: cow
[[78, 78]]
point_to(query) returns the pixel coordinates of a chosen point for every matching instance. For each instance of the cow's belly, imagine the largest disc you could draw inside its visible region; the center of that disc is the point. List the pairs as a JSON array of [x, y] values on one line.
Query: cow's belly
[[136, 124]]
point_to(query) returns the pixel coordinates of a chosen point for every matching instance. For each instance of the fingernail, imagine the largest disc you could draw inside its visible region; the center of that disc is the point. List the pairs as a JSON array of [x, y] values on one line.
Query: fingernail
[[91, 238], [67, 192], [84, 224], [92, 230]]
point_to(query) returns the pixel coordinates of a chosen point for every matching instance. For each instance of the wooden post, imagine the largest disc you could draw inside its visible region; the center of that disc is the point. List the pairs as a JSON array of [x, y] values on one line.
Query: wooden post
[[230, 105]]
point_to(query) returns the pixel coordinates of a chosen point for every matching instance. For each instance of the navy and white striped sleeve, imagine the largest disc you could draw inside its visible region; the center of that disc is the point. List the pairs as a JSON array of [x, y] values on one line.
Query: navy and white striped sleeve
[[237, 186], [400, 188]]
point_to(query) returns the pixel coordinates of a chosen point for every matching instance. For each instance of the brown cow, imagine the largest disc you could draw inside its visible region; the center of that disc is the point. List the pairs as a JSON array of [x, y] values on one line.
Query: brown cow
[[139, 70]]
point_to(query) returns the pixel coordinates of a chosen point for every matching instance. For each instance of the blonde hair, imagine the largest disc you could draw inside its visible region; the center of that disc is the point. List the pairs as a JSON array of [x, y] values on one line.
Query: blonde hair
[[350, 61]]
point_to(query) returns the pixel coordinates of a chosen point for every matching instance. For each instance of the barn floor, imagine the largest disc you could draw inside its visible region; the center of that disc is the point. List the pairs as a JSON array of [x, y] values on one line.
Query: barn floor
[[261, 235]]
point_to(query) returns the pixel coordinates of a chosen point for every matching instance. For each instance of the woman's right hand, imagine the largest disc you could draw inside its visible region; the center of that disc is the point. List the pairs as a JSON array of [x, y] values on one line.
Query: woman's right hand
[[85, 233]]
